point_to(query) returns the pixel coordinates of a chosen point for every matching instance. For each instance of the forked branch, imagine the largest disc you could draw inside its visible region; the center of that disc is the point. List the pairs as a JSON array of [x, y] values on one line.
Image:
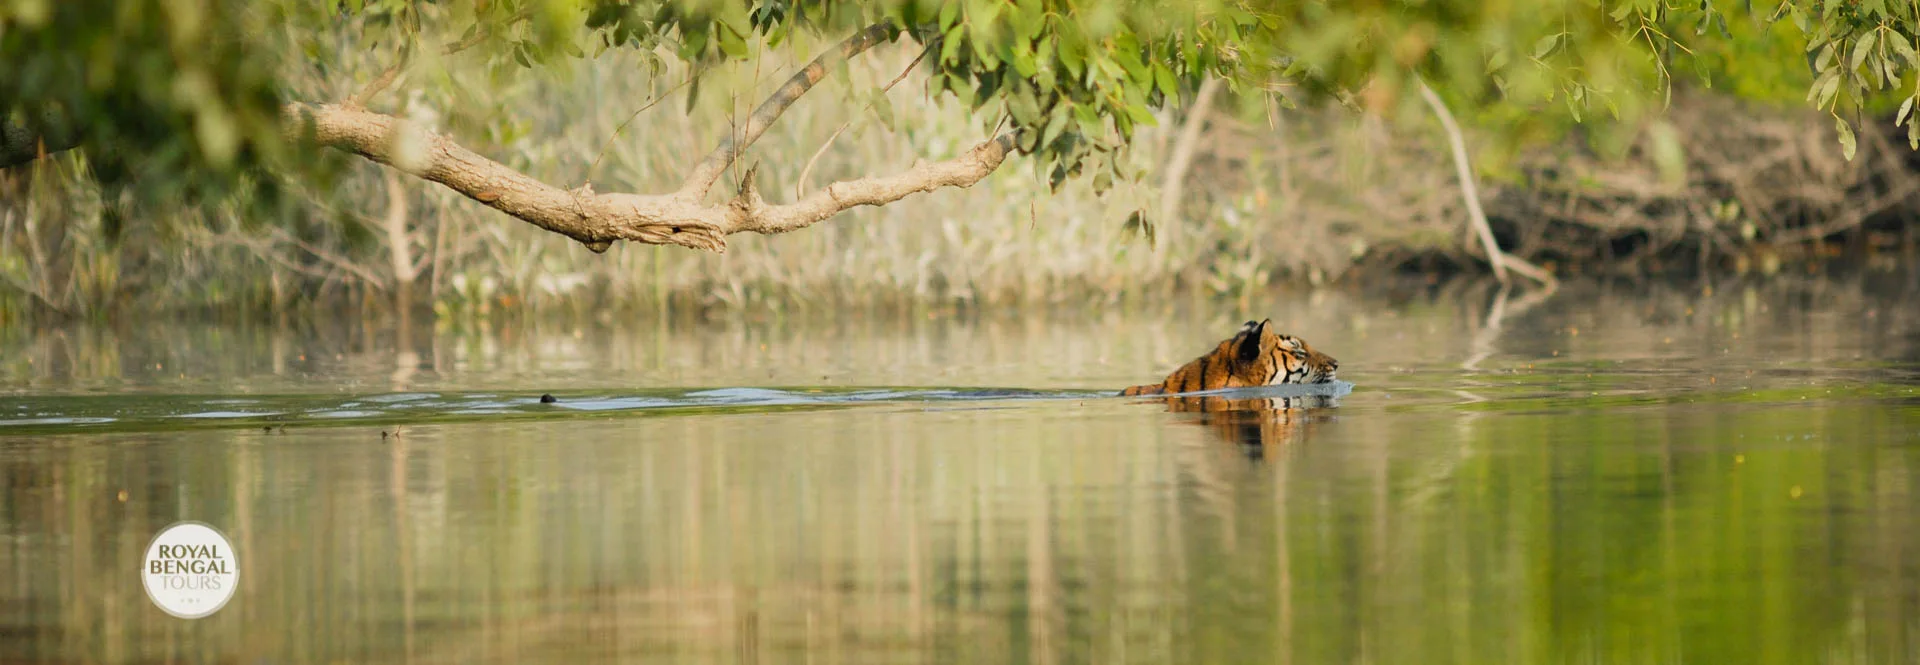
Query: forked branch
[[596, 219]]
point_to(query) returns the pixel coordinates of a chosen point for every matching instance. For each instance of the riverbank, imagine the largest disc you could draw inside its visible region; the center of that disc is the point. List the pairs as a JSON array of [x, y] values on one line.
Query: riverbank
[[1300, 199]]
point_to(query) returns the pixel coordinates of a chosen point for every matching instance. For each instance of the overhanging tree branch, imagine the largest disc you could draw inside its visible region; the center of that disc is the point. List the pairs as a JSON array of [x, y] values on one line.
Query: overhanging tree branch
[[594, 219], [708, 171], [597, 220], [963, 171]]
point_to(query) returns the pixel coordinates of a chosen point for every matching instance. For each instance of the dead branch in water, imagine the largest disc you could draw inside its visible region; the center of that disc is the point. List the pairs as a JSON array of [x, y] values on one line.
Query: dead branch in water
[[1476, 217]]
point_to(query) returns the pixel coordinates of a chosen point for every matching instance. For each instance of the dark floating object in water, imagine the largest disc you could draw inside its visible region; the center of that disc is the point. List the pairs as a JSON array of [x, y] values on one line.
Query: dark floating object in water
[[547, 398]]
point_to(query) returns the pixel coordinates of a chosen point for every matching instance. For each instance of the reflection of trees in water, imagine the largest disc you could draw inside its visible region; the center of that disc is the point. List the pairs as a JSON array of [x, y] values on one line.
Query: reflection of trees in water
[[1056, 535], [1423, 534]]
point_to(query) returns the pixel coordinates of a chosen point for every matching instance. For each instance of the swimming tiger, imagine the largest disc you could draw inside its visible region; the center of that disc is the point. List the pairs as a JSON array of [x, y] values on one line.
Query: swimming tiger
[[1255, 356]]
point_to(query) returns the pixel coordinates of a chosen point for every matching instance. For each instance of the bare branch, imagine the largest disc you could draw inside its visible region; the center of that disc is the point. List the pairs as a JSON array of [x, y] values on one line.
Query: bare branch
[[597, 220], [710, 167], [1174, 181], [330, 258], [1528, 269], [1475, 217], [963, 171]]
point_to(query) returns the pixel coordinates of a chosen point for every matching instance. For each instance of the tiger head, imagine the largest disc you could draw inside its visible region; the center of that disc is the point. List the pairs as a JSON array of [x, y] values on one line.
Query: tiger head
[[1271, 358]]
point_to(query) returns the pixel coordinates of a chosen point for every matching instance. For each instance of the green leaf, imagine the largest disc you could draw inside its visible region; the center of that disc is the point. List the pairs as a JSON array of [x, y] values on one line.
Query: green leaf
[[1904, 49], [1847, 144], [1089, 122], [1129, 60], [693, 90], [731, 42], [1168, 86], [1138, 222], [1023, 63], [1025, 109], [989, 11], [1545, 45], [948, 13], [1824, 89], [1905, 108], [984, 52], [1863, 48], [950, 47], [1497, 61], [1030, 18], [1073, 55], [1058, 122]]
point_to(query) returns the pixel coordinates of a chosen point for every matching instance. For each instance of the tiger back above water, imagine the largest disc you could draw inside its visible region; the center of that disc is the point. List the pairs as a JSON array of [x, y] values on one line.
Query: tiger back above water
[[1255, 356]]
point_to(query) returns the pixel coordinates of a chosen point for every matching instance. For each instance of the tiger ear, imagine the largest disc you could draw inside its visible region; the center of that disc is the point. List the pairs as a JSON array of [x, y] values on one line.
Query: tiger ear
[[1246, 349]]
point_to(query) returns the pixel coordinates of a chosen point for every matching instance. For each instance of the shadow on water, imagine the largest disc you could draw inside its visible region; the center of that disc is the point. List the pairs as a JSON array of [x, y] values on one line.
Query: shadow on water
[[1697, 473]]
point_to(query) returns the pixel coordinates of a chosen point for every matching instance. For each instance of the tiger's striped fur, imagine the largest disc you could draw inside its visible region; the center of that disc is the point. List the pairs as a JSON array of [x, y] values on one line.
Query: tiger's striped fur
[[1255, 356]]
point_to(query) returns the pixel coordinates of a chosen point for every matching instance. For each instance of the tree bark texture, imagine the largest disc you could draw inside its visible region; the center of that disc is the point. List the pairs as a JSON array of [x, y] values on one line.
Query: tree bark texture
[[596, 219]]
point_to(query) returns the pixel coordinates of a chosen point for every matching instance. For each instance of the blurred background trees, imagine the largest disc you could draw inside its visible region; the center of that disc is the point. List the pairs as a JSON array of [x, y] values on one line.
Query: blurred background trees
[[1613, 135]]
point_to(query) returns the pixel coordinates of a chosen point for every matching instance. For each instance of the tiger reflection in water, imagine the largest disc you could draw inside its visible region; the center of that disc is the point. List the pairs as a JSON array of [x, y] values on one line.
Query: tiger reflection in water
[[1257, 424]]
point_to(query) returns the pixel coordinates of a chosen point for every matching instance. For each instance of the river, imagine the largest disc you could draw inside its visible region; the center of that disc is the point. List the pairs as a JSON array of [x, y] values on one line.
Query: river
[[1703, 473]]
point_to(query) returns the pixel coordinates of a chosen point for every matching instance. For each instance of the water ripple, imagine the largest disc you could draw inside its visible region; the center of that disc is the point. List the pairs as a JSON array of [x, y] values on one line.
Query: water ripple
[[78, 413]]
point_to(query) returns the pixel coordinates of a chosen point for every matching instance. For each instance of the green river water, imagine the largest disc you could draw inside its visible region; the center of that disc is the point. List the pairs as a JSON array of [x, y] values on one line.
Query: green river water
[[1715, 473]]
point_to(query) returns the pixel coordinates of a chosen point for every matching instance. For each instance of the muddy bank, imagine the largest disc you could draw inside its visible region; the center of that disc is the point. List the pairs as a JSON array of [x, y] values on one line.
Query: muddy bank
[[1745, 188]]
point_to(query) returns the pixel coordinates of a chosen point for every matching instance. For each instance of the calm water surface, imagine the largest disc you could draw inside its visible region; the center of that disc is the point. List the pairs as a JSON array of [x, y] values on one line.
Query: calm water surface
[[1707, 474]]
